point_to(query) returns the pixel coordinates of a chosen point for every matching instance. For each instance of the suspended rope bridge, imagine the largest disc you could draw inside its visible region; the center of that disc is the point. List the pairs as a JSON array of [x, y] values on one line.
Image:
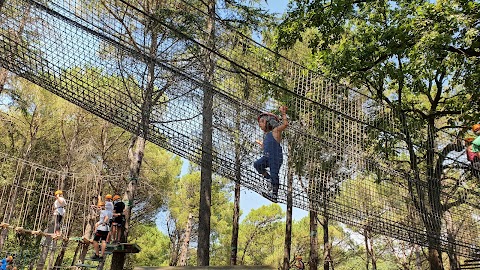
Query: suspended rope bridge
[[103, 56]]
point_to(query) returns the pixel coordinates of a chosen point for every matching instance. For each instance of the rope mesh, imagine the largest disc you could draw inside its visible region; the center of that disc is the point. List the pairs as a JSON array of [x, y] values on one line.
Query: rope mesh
[[82, 53]]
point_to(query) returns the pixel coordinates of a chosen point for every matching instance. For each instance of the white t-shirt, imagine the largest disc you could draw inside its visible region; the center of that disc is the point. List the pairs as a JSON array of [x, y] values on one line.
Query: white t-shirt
[[109, 206], [102, 224], [59, 206]]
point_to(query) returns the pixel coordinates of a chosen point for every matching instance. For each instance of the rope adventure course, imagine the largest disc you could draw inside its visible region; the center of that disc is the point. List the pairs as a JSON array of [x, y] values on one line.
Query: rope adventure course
[[24, 217], [335, 148]]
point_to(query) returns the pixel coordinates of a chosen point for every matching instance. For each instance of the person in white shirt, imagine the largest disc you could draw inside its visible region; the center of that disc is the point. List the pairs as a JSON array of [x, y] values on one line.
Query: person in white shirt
[[109, 208], [101, 232], [58, 211]]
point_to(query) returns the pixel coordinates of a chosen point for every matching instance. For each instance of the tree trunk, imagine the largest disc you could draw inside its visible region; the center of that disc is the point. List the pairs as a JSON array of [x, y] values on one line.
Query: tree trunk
[[203, 251], [313, 225], [288, 222], [236, 200], [369, 248], [452, 256], [88, 230], [434, 259], [61, 253], [430, 217], [135, 153], [52, 253], [327, 247], [418, 258], [3, 72], [186, 241], [235, 225], [174, 247], [44, 253]]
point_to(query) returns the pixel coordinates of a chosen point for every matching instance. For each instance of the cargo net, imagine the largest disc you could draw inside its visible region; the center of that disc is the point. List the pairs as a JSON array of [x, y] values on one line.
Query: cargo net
[[143, 69]]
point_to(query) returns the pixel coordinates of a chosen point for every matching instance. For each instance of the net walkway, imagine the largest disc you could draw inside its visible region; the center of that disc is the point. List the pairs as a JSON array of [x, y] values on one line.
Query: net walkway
[[101, 55]]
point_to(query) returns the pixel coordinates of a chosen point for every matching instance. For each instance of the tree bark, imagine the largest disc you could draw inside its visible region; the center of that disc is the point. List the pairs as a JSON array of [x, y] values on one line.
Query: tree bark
[[235, 225], [136, 152], [236, 200], [369, 248], [452, 255], [288, 221], [3, 72], [203, 251], [186, 241], [418, 258], [327, 247], [44, 253]]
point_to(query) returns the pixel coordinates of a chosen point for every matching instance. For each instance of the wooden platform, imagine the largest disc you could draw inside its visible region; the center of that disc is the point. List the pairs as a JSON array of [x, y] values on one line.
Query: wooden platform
[[84, 265], [226, 267]]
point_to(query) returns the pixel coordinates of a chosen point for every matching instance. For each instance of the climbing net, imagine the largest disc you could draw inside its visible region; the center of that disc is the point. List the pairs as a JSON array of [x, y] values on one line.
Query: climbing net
[[102, 55], [26, 199]]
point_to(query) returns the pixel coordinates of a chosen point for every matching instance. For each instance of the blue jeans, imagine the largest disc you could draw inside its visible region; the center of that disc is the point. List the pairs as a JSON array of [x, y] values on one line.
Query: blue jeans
[[274, 163]]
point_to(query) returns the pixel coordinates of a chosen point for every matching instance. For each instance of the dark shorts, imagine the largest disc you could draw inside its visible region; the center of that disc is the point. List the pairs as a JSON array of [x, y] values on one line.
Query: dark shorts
[[118, 221], [100, 236], [58, 222]]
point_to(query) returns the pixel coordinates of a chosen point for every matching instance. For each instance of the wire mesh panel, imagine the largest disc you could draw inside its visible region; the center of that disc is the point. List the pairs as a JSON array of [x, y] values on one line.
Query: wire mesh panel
[[142, 68]]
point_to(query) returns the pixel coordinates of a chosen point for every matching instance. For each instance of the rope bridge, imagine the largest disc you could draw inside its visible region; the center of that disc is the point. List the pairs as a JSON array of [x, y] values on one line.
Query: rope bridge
[[101, 56], [26, 199]]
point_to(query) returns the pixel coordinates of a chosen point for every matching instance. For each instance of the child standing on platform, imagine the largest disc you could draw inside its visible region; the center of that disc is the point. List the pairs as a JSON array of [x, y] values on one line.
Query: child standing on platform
[[58, 211], [101, 232]]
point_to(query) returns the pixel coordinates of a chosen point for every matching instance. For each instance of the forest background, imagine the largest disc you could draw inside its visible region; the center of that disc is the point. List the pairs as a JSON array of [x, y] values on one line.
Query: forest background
[[43, 128]]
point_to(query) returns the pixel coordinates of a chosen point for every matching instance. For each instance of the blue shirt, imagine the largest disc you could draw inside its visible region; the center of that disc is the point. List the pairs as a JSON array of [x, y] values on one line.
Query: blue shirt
[[271, 148], [3, 264]]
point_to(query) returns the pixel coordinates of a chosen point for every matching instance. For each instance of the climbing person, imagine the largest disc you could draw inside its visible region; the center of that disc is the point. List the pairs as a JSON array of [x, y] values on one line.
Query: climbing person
[[468, 149], [6, 263], [476, 142], [101, 232], [108, 203], [58, 211], [109, 208], [272, 150], [298, 264], [472, 156], [118, 219]]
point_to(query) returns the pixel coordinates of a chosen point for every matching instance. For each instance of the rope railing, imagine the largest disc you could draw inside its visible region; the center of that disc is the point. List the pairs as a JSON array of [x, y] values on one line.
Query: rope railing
[[82, 53]]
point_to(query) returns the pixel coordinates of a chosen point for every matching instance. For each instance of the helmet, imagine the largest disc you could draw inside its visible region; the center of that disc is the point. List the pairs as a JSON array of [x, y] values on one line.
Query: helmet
[[298, 257], [100, 203], [476, 127], [469, 139], [116, 197], [268, 115], [108, 196], [271, 120], [9, 258], [58, 192]]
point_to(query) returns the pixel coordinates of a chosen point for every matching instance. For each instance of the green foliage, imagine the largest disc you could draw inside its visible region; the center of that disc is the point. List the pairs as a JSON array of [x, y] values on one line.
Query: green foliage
[[153, 243], [256, 234]]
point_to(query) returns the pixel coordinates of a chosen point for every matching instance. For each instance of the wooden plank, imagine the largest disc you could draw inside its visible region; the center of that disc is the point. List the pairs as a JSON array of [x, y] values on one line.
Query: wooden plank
[[85, 265], [124, 248]]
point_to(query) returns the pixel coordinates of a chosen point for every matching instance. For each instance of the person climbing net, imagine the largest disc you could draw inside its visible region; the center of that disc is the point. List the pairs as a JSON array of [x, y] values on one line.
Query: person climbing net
[[272, 150]]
